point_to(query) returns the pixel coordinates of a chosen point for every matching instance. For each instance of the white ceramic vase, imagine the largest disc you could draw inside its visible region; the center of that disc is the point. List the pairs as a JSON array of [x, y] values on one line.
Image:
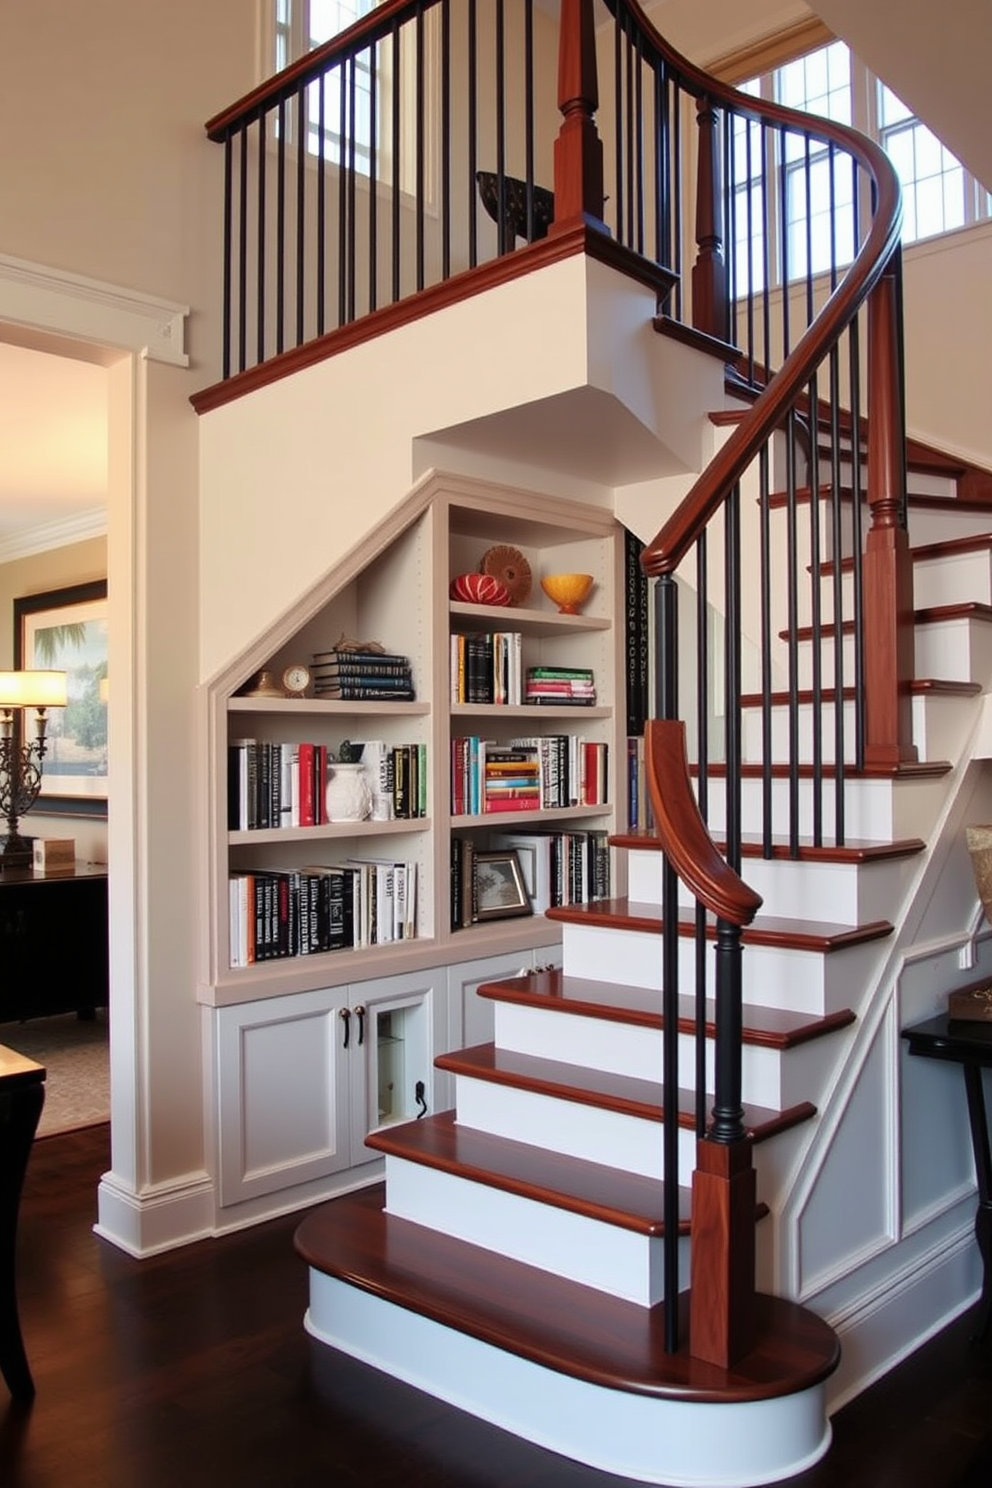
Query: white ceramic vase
[[349, 796]]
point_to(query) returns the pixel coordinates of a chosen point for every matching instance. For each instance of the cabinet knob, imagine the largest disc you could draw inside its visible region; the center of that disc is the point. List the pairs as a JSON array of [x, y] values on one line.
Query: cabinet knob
[[345, 1016], [360, 1015]]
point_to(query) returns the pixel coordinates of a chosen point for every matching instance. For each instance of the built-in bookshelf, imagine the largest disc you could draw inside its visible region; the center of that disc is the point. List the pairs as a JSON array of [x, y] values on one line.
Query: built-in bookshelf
[[544, 720]]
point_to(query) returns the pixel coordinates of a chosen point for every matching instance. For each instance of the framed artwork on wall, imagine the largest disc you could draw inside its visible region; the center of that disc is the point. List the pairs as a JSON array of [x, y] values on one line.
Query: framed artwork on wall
[[66, 629]]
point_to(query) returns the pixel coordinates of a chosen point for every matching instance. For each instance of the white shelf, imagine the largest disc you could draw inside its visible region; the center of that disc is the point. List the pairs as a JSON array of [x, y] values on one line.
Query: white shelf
[[259, 837]]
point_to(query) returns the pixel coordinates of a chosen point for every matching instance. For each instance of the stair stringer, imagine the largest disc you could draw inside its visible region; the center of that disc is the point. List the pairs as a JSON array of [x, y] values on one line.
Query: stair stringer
[[892, 1290]]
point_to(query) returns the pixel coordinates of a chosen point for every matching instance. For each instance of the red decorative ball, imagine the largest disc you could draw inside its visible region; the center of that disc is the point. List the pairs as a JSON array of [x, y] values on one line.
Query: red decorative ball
[[477, 588]]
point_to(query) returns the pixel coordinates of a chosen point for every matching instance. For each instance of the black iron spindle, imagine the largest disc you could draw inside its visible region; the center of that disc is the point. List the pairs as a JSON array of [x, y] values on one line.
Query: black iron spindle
[[473, 129], [243, 250], [419, 106], [260, 242], [281, 226], [228, 252], [302, 145], [445, 162], [395, 199]]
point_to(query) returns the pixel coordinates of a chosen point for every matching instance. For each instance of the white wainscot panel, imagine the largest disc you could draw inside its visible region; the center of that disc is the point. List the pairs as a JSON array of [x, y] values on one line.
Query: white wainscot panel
[[849, 1213]]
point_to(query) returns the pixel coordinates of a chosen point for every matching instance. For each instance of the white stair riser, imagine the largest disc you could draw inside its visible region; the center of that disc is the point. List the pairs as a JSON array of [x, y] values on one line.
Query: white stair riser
[[844, 893], [769, 1077], [876, 809], [773, 976], [617, 1139], [596, 1254], [642, 1437], [612, 1138], [940, 725], [945, 580], [955, 650], [927, 525]]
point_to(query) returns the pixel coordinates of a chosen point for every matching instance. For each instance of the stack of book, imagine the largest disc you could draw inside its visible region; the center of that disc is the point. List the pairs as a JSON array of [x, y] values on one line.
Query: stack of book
[[486, 668], [276, 785], [363, 676], [543, 772], [560, 685], [279, 913], [560, 868]]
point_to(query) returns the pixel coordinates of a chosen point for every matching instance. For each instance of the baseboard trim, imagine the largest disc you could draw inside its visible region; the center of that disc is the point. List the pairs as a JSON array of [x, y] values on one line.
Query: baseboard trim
[[146, 1224], [894, 1319]]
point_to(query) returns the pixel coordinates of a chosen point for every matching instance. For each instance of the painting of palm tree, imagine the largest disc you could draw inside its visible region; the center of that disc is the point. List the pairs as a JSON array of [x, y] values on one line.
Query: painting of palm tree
[[66, 630]]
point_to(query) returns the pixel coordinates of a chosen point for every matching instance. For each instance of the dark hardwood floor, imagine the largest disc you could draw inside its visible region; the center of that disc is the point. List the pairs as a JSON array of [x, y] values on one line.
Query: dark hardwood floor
[[192, 1370]]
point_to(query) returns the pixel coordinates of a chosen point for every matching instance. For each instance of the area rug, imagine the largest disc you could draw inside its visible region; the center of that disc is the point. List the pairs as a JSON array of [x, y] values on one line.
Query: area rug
[[76, 1055]]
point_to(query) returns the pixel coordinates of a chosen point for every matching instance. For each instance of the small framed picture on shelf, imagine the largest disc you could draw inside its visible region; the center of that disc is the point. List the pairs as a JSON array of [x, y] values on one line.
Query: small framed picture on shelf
[[500, 890]]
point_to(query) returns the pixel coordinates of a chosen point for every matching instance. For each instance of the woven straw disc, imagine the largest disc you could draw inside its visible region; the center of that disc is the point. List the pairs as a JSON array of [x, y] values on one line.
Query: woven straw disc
[[511, 567]]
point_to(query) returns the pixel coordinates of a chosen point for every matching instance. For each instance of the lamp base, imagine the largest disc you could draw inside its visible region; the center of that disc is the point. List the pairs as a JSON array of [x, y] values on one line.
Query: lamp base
[[16, 851]]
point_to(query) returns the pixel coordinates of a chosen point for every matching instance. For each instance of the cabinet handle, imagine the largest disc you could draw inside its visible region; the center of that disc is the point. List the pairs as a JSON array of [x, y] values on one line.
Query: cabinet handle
[[360, 1015], [345, 1016]]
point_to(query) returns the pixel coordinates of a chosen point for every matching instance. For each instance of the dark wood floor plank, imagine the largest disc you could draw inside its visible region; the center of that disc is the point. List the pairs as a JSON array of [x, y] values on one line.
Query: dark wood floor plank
[[192, 1370]]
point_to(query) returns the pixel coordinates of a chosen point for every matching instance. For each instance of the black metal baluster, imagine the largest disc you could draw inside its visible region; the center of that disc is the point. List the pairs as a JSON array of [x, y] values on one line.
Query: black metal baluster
[[502, 246], [228, 252], [373, 293], [445, 164], [666, 692], [302, 144], [396, 240], [473, 128], [321, 234], [418, 110], [243, 250], [281, 227], [260, 242]]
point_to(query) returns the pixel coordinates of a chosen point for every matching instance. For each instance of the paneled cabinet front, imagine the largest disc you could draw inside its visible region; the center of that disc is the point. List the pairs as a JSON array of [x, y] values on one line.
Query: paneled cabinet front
[[302, 1079]]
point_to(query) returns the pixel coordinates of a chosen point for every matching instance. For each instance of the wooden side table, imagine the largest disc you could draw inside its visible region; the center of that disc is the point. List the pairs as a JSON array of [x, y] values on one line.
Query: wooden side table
[[970, 1045], [22, 1095]]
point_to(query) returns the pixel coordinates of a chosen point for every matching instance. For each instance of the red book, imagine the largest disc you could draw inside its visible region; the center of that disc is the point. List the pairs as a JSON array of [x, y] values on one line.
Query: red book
[[305, 767]]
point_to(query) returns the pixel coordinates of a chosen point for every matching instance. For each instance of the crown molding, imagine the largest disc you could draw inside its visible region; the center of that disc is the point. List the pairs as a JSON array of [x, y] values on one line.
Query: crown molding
[[44, 298], [48, 535]]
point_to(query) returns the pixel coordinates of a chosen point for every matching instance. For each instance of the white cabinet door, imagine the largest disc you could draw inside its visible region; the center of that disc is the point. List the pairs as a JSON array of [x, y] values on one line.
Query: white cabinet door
[[283, 1093]]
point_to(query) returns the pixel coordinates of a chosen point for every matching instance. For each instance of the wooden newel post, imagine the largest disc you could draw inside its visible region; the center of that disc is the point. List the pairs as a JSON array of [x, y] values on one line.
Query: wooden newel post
[[578, 148], [721, 1300], [888, 566], [709, 276]]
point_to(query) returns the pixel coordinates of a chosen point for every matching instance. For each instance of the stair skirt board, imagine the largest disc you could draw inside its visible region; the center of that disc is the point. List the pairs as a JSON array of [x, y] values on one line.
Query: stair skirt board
[[622, 1262], [650, 1439]]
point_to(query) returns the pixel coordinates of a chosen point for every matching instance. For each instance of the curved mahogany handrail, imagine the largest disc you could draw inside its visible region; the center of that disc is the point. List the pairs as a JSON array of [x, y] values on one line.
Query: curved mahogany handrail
[[666, 551], [374, 26], [683, 833]]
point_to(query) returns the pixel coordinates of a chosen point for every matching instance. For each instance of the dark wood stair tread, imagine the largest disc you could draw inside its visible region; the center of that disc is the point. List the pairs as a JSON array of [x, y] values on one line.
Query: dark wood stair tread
[[969, 609], [769, 930], [629, 1200], [621, 1093], [558, 1324], [779, 770], [553, 990], [854, 850], [806, 696], [950, 547]]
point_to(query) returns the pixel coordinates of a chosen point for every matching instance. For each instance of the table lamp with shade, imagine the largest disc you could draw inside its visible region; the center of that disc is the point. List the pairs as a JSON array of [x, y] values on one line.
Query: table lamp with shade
[[21, 758]]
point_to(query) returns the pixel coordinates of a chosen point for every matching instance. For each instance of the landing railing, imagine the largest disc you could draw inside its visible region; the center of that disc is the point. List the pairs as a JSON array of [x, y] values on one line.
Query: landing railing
[[425, 153]]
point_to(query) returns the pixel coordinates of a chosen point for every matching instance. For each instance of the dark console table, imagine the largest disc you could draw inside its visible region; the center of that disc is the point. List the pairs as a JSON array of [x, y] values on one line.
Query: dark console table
[[53, 941], [970, 1045], [22, 1095]]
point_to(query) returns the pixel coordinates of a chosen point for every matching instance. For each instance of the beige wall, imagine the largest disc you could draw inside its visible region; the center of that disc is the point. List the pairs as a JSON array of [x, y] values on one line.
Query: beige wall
[[107, 174]]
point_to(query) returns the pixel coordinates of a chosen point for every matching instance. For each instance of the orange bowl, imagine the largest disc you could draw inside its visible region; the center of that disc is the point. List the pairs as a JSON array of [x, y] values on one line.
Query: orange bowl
[[568, 591]]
